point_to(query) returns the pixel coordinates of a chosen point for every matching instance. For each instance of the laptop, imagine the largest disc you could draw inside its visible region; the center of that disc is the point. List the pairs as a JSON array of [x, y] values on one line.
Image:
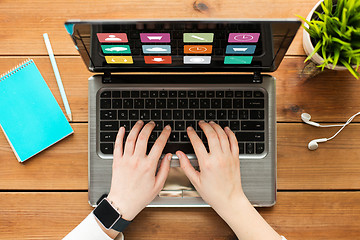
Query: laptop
[[178, 72]]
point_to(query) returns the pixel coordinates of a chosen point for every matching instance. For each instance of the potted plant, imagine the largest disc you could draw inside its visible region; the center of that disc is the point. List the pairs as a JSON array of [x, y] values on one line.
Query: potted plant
[[331, 35]]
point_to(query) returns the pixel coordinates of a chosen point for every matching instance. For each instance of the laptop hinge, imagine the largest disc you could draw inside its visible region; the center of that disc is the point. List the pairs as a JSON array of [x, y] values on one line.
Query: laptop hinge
[[257, 77], [106, 77]]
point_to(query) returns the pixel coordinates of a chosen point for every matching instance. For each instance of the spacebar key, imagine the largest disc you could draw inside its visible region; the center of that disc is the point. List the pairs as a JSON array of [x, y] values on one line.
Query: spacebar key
[[173, 147]]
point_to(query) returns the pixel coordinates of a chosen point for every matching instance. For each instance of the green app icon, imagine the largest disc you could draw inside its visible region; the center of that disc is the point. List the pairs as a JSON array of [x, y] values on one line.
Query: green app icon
[[238, 59], [115, 49], [198, 37]]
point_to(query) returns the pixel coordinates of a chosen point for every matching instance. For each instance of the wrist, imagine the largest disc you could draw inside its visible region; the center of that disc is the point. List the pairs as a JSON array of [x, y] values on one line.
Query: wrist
[[125, 211], [235, 202]]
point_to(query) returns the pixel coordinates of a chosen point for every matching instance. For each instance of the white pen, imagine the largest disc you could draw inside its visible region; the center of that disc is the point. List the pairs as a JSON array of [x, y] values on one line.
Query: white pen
[[57, 75]]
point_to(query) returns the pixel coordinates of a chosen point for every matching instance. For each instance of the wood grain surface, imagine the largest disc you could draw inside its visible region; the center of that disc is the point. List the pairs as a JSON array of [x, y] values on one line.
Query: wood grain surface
[[297, 215]]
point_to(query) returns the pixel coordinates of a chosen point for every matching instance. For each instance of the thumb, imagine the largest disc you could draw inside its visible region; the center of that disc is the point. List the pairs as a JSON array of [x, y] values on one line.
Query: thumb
[[188, 169], [163, 172]]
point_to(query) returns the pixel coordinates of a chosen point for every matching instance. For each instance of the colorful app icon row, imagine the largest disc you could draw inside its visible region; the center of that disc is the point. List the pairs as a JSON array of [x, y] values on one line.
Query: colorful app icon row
[[188, 37], [186, 59]]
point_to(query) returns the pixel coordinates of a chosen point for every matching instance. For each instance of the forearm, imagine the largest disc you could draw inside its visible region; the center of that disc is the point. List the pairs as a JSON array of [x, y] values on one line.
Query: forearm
[[245, 221]]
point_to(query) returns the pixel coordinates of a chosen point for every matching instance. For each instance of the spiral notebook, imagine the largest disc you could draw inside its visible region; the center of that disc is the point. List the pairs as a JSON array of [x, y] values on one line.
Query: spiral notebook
[[30, 117]]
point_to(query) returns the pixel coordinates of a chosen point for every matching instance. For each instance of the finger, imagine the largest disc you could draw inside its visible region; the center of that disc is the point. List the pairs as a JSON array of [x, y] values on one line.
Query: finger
[[118, 149], [212, 137], [234, 146], [189, 170], [131, 139], [143, 138], [198, 145], [223, 138], [163, 172], [160, 143]]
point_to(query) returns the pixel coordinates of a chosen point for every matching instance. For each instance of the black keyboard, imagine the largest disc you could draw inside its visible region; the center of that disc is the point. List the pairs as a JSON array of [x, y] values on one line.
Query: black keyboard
[[242, 111]]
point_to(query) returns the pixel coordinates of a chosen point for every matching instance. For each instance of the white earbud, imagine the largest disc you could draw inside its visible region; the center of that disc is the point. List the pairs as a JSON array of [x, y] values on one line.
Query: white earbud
[[313, 145]]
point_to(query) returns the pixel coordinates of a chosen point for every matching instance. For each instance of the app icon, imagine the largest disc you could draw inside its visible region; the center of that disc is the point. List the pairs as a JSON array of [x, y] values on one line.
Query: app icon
[[244, 37], [199, 37], [112, 37], [240, 49], [157, 59], [119, 59], [197, 59], [238, 59], [195, 49], [154, 37], [156, 48], [115, 49]]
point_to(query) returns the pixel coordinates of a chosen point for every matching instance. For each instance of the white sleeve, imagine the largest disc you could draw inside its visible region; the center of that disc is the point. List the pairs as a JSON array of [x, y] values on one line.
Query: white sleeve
[[89, 229], [283, 238]]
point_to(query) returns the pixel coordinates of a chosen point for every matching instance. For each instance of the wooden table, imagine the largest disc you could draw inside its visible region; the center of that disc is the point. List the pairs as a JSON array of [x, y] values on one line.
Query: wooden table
[[46, 197]]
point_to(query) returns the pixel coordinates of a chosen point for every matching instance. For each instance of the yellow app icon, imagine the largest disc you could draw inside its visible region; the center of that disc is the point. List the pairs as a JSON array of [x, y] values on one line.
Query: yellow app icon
[[119, 59]]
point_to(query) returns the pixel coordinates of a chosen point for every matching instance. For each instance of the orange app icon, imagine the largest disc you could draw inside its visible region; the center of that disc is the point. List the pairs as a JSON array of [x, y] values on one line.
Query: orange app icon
[[157, 59], [197, 49]]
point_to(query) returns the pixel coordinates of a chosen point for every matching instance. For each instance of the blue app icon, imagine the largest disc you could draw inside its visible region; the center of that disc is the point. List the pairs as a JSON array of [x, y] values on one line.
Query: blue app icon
[[156, 48], [240, 49]]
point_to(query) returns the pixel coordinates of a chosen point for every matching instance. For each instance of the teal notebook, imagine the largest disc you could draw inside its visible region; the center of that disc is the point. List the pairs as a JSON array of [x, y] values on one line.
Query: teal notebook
[[30, 117]]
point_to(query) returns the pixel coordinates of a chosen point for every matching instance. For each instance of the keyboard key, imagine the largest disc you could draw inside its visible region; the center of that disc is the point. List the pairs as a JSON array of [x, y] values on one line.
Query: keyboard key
[[173, 147], [199, 114], [107, 114], [172, 103], [182, 94], [200, 94], [166, 114], [260, 147], [163, 94], [250, 136], [154, 94], [243, 114], [258, 94], [204, 103], [107, 148], [123, 114], [257, 114], [252, 125], [109, 125], [254, 103], [239, 94], [220, 94], [139, 103], [134, 114], [116, 103], [194, 103], [229, 94], [125, 94], [224, 124], [248, 94], [188, 114], [170, 123], [174, 137], [241, 148], [105, 103], [172, 94], [221, 114], [128, 103], [237, 103], [226, 103], [177, 114], [144, 94], [160, 103], [215, 103], [190, 124], [105, 94], [184, 137], [210, 114], [115, 94], [135, 94], [234, 125], [249, 148], [180, 125], [144, 114], [158, 126], [126, 125], [210, 94], [191, 94], [155, 114], [183, 103], [232, 114], [108, 136], [149, 103]]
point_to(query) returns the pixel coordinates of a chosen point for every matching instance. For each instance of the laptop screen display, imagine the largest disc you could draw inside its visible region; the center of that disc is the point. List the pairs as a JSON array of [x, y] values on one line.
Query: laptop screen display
[[126, 46]]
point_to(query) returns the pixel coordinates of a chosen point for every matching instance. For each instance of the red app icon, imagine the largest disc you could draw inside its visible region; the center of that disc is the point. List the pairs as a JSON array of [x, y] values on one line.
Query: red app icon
[[157, 59], [112, 37]]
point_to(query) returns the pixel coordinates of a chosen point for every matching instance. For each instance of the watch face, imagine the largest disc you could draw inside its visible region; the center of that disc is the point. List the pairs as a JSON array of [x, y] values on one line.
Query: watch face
[[106, 214]]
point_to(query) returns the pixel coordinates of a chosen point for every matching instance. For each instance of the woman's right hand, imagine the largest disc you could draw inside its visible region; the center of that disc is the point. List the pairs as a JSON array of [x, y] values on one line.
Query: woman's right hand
[[218, 181]]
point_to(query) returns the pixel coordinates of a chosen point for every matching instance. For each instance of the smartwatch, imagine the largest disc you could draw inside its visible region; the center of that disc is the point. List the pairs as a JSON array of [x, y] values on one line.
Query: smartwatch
[[109, 216]]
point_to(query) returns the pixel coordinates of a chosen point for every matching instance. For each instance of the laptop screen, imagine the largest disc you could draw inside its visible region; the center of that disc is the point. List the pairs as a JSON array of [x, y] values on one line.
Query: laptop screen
[[179, 45]]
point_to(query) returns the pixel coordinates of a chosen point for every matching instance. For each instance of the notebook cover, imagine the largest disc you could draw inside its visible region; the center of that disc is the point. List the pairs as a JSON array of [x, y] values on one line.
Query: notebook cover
[[30, 117]]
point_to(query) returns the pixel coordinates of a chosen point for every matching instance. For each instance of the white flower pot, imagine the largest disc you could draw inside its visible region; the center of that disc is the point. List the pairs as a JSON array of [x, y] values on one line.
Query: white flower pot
[[308, 46]]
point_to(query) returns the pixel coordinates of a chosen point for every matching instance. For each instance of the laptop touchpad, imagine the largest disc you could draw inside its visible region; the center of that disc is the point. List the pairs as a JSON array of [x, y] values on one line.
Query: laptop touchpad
[[177, 180]]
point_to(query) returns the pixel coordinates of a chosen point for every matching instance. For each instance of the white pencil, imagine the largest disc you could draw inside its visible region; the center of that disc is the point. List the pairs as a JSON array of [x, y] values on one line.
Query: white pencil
[[57, 75]]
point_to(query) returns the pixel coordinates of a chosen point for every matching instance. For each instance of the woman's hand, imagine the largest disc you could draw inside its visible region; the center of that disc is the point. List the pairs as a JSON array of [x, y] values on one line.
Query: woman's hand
[[134, 184], [218, 181]]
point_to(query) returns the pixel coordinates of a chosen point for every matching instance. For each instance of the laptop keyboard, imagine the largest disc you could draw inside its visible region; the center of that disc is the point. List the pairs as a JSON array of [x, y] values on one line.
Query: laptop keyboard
[[242, 110]]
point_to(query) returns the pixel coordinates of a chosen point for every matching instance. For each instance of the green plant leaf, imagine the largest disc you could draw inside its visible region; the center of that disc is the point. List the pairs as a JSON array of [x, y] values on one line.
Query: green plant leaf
[[351, 70]]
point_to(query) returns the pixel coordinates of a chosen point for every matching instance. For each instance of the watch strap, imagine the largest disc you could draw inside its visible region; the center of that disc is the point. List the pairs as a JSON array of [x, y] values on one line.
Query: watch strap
[[120, 225]]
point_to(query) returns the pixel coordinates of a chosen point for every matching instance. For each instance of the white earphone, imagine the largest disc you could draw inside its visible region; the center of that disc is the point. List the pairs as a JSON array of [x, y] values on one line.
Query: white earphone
[[313, 145]]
